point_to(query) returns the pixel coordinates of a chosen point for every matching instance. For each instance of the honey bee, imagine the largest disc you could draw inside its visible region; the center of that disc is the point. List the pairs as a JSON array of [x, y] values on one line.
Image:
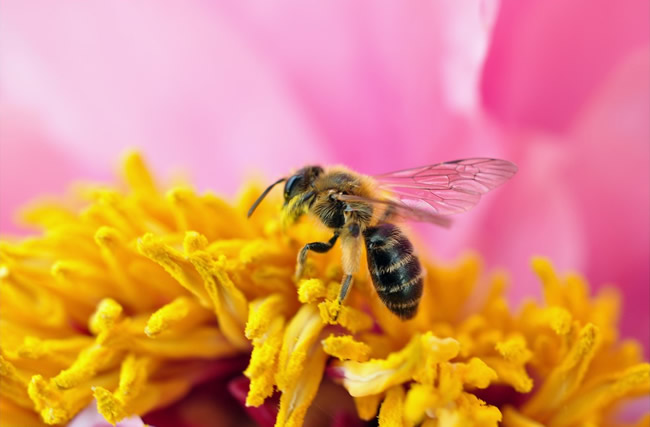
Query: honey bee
[[360, 208]]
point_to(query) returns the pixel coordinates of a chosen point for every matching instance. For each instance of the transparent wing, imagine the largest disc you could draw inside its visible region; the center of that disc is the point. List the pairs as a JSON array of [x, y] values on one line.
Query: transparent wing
[[393, 209], [446, 188]]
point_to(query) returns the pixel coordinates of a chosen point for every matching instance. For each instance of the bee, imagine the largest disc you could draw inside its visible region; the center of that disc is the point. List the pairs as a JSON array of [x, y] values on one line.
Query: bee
[[364, 209]]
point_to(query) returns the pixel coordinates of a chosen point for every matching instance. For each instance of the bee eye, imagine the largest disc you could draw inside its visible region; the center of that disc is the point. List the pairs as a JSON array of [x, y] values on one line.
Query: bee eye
[[291, 186]]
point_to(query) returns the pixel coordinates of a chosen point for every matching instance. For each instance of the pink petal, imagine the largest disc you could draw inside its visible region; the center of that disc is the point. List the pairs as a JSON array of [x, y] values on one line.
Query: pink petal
[[382, 81], [547, 57]]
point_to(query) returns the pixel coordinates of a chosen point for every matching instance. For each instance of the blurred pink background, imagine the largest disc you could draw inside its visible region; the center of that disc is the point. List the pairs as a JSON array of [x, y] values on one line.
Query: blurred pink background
[[227, 90]]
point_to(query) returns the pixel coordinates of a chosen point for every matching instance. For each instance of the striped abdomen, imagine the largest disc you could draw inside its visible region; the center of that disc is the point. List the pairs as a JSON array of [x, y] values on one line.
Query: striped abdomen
[[395, 270]]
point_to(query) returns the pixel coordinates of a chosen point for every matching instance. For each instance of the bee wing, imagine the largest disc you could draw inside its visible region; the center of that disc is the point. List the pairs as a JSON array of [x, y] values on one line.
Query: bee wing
[[447, 188], [394, 209]]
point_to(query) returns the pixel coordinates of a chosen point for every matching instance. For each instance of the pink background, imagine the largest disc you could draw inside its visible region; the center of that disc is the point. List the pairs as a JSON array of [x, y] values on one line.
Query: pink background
[[225, 91]]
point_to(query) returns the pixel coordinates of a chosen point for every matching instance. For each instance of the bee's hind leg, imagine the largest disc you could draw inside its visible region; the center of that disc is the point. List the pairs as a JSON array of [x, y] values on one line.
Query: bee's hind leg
[[351, 251], [320, 247], [345, 286]]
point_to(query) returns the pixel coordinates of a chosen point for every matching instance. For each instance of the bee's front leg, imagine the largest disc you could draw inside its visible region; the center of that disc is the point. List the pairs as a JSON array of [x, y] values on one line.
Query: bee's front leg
[[320, 247]]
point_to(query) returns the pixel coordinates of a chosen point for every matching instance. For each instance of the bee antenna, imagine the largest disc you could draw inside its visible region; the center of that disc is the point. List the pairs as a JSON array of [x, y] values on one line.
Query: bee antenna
[[263, 195]]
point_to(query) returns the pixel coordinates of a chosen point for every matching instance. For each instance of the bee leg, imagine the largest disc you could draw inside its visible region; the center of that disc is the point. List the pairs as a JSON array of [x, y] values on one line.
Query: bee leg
[[345, 285], [320, 247], [351, 251]]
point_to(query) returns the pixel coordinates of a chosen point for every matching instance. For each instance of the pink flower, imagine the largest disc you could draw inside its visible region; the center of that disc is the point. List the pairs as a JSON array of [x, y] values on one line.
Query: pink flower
[[227, 89]]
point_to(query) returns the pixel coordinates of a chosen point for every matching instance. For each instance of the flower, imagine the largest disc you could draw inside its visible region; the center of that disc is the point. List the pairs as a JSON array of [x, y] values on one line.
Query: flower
[[136, 297], [377, 86]]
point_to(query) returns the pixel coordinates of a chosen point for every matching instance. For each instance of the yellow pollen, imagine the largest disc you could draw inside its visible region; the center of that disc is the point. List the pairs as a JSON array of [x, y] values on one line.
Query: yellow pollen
[[514, 350], [346, 348], [391, 413], [353, 320], [108, 312], [311, 290], [367, 406], [261, 313]]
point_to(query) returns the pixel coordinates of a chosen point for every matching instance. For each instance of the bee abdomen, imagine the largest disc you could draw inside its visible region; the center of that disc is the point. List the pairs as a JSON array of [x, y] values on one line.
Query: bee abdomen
[[395, 270]]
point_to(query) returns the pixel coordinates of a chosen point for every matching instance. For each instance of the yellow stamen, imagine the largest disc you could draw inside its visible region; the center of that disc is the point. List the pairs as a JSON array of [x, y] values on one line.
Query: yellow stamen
[[261, 314], [264, 361], [137, 175], [188, 209], [48, 400], [514, 350], [109, 406], [378, 375], [108, 312], [514, 418], [175, 264], [298, 395], [133, 377], [90, 361], [419, 399], [511, 373], [635, 380], [391, 413], [367, 406], [17, 416], [436, 351], [300, 335], [230, 305], [566, 378], [177, 316], [346, 348], [14, 383], [57, 406], [59, 351], [553, 292], [353, 320], [477, 373], [311, 290]]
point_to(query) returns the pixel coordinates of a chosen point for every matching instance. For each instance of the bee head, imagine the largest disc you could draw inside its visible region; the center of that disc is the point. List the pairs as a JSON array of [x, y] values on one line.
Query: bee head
[[301, 182], [297, 185]]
